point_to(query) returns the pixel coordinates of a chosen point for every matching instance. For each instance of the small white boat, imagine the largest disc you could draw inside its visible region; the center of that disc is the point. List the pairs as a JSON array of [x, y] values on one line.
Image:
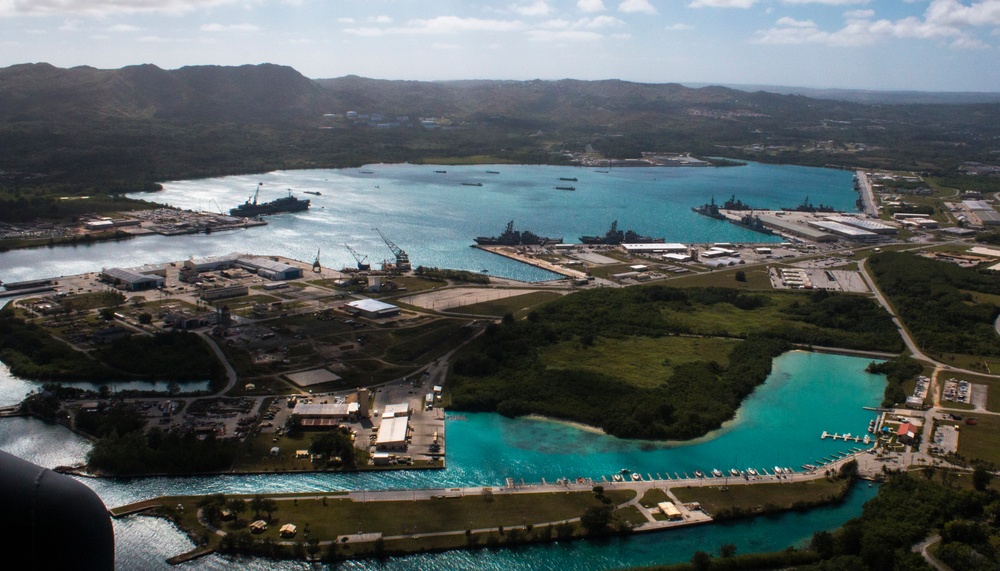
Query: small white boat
[[717, 473], [699, 474], [778, 470], [734, 472], [751, 471], [617, 477], [636, 476]]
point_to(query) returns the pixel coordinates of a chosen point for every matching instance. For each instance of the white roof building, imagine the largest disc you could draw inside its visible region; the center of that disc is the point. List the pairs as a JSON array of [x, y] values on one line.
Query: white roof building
[[392, 433]]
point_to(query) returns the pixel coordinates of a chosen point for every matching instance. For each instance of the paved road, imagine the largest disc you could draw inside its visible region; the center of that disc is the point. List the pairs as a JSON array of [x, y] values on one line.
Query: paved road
[[867, 196], [230, 371]]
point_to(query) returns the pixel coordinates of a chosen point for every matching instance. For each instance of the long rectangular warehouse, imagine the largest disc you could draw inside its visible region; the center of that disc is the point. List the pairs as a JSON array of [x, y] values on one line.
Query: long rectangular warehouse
[[849, 232], [800, 230], [864, 224]]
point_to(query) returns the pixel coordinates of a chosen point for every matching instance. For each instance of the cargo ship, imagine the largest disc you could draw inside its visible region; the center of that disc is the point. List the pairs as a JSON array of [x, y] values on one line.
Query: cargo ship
[[511, 237], [614, 236], [252, 208]]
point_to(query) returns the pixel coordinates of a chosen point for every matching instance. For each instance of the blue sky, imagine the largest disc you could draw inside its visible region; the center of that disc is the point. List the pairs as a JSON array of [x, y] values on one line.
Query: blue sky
[[928, 45]]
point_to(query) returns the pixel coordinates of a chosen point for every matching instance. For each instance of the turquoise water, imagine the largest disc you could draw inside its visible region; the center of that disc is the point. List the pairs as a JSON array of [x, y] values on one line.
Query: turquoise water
[[435, 218], [779, 424]]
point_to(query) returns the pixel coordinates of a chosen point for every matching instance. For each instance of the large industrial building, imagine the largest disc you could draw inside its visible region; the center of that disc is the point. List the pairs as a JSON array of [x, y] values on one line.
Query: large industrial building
[[371, 308], [655, 248], [392, 433], [263, 267], [133, 280], [864, 223], [845, 231], [794, 229]]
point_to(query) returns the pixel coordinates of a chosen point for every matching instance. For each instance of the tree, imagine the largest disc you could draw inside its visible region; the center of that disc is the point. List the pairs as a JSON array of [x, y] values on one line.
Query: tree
[[981, 478], [727, 550], [741, 276], [701, 561], [237, 506], [257, 505], [596, 519]]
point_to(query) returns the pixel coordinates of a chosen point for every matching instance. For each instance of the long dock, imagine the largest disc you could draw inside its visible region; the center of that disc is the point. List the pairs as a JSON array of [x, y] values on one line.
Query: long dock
[[509, 252]]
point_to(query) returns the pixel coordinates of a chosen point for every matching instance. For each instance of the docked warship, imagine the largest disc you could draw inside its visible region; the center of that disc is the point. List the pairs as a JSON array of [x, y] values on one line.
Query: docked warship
[[712, 209], [807, 206], [511, 237], [252, 208], [614, 236]]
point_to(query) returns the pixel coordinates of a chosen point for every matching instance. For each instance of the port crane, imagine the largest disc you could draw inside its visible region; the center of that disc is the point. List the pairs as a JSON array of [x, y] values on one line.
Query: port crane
[[402, 258], [253, 198], [363, 264], [317, 268]]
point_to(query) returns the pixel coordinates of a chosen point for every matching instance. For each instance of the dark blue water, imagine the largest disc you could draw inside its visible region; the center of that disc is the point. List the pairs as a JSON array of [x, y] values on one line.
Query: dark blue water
[[435, 218]]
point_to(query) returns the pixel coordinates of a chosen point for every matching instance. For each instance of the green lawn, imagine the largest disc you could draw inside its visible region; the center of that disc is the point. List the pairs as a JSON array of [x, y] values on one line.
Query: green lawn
[[341, 516], [653, 497], [981, 441], [715, 499], [517, 305], [640, 361], [757, 279]]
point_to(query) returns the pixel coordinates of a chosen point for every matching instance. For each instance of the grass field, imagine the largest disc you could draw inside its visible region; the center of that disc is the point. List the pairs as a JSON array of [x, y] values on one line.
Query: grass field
[[652, 497], [518, 305], [334, 516], [640, 361], [754, 498], [757, 279], [981, 441]]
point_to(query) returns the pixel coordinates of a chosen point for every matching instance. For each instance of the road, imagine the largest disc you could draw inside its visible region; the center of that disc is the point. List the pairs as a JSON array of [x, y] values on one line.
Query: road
[[867, 196], [911, 345]]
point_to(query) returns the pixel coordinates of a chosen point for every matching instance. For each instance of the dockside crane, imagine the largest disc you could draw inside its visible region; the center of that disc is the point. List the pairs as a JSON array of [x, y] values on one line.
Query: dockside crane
[[363, 264], [402, 258]]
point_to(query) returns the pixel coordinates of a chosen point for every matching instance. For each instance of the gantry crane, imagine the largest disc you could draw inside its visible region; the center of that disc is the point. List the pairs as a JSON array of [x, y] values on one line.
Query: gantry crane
[[402, 258], [363, 264]]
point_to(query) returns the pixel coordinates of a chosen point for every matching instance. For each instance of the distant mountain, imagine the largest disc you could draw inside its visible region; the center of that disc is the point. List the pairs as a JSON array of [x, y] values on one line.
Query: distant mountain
[[42, 92], [874, 97]]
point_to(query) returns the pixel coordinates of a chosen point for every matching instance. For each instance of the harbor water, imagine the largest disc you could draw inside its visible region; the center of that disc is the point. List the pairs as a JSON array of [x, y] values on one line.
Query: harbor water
[[779, 424], [435, 218]]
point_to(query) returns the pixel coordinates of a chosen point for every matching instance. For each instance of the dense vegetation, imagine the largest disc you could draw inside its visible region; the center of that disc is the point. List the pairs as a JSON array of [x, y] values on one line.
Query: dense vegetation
[[937, 302], [455, 275], [32, 353], [160, 452], [897, 371], [174, 356], [504, 372]]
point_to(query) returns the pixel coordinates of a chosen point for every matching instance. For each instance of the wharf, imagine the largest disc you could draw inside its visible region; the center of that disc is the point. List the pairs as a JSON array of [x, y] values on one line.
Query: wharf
[[510, 252]]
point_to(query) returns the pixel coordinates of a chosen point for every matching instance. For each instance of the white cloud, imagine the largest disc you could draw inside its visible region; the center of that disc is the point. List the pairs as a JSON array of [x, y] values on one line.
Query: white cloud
[[722, 3], [827, 2], [967, 43], [345, 20], [590, 5], [446, 47], [100, 37], [953, 13], [124, 28], [943, 20], [600, 22], [380, 19], [678, 27], [538, 8], [563, 35], [229, 28], [103, 7], [69, 26], [792, 22], [443, 25], [634, 6]]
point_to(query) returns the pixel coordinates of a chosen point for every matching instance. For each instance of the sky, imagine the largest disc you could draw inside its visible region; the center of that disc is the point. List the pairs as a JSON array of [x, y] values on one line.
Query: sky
[[922, 45]]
